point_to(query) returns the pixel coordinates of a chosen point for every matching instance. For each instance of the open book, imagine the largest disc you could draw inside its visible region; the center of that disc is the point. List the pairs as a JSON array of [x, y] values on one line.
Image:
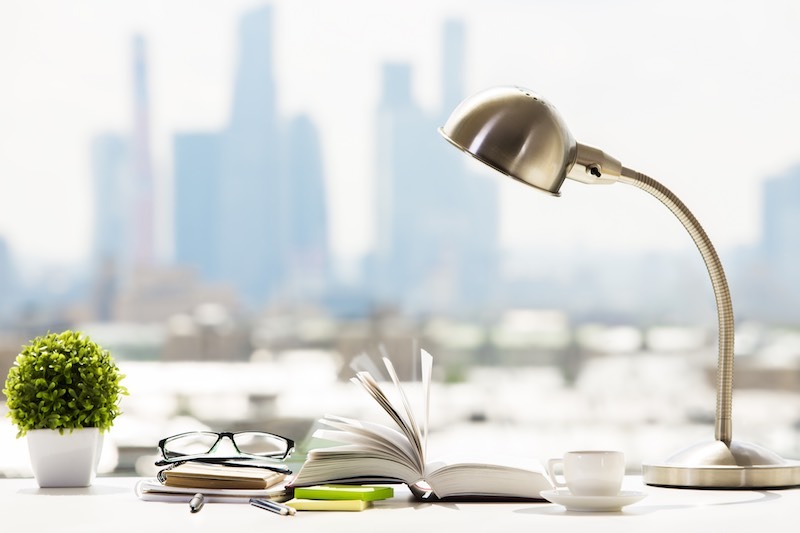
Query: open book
[[377, 453]]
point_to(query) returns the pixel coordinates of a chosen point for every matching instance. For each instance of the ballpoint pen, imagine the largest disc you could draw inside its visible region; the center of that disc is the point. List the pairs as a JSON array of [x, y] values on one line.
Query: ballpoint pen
[[275, 507], [196, 503]]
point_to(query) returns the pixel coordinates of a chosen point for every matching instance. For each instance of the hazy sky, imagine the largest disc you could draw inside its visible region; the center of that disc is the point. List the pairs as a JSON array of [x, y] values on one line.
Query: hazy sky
[[701, 95]]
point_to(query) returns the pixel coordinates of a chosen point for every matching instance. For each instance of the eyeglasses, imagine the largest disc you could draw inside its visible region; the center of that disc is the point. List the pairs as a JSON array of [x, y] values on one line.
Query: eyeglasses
[[242, 448]]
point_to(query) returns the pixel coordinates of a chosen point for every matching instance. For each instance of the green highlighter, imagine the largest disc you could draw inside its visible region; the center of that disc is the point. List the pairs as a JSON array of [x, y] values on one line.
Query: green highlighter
[[365, 493]]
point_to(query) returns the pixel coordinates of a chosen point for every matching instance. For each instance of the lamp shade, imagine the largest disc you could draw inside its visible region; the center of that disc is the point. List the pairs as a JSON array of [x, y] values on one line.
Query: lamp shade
[[516, 132]]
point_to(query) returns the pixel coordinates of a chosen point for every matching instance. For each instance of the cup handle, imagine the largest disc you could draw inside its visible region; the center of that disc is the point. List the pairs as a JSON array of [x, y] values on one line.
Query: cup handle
[[551, 470]]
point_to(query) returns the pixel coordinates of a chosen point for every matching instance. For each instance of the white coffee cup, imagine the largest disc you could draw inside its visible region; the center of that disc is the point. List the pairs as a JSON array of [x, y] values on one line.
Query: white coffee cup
[[589, 472]]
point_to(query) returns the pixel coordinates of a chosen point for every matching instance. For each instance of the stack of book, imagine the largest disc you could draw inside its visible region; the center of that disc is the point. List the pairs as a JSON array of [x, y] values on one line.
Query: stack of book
[[217, 483], [338, 497]]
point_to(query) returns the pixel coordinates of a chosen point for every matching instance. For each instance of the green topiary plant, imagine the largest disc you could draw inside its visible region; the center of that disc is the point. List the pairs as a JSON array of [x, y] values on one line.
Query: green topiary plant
[[63, 381]]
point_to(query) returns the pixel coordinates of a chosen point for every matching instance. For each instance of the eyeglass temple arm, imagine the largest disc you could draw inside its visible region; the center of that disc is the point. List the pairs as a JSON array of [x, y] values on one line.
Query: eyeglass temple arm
[[230, 461]]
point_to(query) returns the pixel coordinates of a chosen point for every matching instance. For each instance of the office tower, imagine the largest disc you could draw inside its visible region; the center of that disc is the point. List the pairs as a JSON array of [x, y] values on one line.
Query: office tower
[[436, 247], [308, 248], [113, 232], [251, 210], [250, 203], [123, 196], [453, 54], [407, 197], [780, 247], [112, 241], [197, 186], [781, 218], [764, 280], [477, 203], [143, 192]]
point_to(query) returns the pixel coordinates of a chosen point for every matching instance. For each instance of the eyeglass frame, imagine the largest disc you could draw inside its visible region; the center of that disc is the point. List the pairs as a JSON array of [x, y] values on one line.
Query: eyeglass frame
[[243, 459]]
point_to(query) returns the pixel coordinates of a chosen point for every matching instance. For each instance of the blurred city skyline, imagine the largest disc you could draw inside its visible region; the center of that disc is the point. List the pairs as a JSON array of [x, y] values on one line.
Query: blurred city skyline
[[250, 200], [328, 58], [131, 134], [254, 203]]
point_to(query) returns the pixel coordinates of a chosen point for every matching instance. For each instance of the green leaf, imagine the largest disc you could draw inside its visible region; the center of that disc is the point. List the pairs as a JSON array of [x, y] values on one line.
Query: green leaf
[[63, 381]]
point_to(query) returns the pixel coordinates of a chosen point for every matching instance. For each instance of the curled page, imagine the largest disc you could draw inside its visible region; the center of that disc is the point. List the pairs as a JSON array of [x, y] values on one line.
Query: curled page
[[412, 422], [371, 386], [364, 363], [426, 364]]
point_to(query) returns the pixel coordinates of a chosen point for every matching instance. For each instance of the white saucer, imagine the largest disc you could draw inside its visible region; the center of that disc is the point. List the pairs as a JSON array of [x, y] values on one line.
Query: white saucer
[[592, 503]]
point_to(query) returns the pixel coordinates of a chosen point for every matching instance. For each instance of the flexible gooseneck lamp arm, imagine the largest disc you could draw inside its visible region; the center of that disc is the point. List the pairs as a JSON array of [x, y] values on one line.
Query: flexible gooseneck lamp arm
[[519, 134], [722, 427]]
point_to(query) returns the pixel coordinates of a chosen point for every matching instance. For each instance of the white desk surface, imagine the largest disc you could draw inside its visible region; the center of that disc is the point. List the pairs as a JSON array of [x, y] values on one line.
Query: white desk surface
[[110, 505]]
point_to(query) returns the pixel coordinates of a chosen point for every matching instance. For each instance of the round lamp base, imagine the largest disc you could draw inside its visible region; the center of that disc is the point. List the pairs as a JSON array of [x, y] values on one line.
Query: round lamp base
[[713, 464]]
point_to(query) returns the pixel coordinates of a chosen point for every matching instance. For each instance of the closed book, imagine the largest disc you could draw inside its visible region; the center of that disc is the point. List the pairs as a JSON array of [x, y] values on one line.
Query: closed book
[[211, 476], [154, 490]]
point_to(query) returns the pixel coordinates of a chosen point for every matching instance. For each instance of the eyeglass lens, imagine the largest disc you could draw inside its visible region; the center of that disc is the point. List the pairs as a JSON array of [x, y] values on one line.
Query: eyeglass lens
[[250, 442], [259, 443]]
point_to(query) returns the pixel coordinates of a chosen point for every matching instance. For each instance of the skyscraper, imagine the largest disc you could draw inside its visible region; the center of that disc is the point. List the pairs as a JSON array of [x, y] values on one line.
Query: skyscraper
[[403, 256], [780, 246], [250, 202], [143, 192], [112, 186], [437, 224], [123, 186], [197, 186], [251, 209], [477, 207], [781, 218], [308, 249], [113, 238], [453, 54]]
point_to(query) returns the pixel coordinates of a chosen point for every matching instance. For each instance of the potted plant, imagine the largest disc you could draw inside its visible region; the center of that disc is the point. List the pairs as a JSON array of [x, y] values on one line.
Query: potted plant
[[63, 393]]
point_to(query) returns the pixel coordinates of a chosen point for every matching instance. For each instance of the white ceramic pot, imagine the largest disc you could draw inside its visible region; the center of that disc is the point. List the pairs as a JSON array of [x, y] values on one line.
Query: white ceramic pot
[[64, 460]]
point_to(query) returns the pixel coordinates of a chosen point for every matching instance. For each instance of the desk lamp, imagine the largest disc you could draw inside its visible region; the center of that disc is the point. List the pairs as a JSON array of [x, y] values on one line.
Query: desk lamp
[[516, 132]]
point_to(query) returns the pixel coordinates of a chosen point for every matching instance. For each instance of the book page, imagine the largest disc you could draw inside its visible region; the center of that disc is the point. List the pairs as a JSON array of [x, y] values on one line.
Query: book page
[[360, 442], [426, 364], [372, 387], [409, 412], [350, 463], [364, 363], [525, 479], [368, 434]]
